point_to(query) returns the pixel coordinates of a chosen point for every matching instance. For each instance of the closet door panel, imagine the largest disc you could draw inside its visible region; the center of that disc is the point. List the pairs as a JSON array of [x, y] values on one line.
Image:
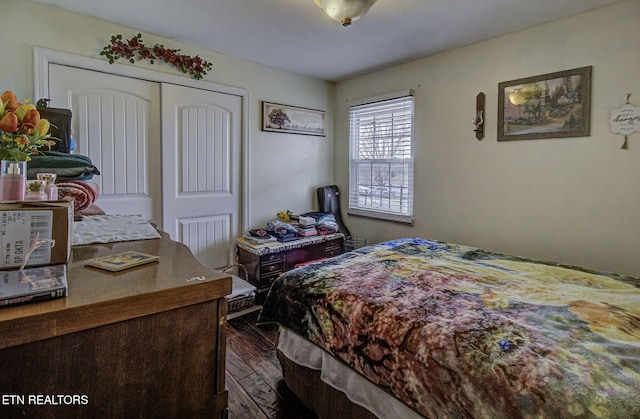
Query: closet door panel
[[116, 123], [201, 171]]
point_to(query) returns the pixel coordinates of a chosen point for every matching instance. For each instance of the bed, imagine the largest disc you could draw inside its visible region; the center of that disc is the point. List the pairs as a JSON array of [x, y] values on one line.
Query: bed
[[420, 328]]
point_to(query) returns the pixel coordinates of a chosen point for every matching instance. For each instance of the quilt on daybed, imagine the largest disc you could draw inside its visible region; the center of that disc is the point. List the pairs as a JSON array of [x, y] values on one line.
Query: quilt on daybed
[[455, 331]]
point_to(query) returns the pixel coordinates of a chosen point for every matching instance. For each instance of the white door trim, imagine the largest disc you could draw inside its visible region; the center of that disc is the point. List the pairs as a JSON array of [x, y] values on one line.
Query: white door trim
[[42, 57]]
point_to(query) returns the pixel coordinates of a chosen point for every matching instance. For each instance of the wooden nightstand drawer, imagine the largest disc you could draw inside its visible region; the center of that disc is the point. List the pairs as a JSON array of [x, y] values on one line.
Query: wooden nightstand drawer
[[272, 258], [270, 268], [329, 253], [267, 280], [270, 265], [333, 248]]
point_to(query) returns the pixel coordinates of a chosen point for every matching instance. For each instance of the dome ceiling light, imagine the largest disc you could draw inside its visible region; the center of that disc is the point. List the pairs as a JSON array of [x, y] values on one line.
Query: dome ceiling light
[[345, 11]]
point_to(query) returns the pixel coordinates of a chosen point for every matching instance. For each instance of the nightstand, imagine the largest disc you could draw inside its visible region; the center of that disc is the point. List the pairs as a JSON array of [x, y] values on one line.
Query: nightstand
[[265, 264]]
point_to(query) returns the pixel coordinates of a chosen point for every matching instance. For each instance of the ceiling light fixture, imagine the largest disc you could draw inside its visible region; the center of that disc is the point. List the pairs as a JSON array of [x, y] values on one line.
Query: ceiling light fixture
[[345, 11]]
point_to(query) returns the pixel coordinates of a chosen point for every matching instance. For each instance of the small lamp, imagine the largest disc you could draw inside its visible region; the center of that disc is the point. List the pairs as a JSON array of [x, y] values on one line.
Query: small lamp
[[345, 11]]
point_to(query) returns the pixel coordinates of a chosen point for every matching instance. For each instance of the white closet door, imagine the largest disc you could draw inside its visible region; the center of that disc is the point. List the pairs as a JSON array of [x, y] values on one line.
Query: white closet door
[[116, 122], [201, 172]]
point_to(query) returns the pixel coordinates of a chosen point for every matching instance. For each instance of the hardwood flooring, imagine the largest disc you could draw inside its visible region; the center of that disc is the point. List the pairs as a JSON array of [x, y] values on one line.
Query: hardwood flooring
[[253, 374]]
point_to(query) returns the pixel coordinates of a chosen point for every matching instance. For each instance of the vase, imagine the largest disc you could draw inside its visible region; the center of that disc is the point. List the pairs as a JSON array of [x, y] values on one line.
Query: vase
[[51, 189], [13, 180], [35, 191]]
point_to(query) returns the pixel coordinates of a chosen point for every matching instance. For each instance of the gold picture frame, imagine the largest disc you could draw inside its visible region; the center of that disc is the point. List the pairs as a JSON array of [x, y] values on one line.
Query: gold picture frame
[[553, 105]]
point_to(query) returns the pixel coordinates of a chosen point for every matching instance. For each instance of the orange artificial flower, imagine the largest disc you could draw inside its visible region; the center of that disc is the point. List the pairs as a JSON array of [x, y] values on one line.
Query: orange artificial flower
[[11, 101], [22, 110], [30, 121], [9, 122]]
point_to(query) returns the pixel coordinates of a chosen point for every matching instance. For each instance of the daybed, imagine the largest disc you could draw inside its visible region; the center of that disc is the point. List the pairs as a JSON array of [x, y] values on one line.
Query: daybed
[[419, 328]]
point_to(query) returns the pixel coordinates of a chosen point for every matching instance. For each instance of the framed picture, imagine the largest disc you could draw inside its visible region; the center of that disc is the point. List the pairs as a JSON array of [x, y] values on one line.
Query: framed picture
[[553, 105], [292, 119]]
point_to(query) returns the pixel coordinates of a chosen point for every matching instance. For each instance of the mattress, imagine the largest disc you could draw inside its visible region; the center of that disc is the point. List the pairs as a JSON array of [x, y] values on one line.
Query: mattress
[[455, 331]]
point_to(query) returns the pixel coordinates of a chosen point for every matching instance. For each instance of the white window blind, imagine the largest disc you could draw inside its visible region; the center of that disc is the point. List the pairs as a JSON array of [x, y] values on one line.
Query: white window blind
[[381, 157]]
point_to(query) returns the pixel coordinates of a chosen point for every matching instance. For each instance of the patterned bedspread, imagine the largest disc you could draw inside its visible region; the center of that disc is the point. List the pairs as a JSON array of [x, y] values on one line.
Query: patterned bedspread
[[459, 332]]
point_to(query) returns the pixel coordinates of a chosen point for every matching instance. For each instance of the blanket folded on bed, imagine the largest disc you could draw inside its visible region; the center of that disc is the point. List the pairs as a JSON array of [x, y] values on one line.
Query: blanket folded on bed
[[455, 331]]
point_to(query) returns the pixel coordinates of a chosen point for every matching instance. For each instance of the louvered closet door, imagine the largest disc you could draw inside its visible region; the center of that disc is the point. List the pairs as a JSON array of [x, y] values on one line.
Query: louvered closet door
[[116, 122], [201, 171]]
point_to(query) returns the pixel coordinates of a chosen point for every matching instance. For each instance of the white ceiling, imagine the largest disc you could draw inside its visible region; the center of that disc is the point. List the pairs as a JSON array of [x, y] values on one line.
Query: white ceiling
[[296, 35]]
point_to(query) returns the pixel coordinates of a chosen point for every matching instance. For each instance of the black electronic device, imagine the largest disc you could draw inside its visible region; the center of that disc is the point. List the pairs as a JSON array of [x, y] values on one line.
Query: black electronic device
[[60, 120], [329, 201]]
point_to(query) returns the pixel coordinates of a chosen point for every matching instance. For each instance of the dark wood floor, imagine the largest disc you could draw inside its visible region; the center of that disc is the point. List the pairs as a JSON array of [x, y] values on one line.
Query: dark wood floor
[[254, 377]]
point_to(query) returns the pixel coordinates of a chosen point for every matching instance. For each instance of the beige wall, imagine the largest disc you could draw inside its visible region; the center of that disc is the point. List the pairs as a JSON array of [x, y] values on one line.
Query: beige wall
[[574, 201], [280, 176]]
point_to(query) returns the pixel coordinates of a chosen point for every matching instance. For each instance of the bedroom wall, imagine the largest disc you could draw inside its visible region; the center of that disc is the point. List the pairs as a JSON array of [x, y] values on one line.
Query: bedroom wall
[[284, 169], [574, 200]]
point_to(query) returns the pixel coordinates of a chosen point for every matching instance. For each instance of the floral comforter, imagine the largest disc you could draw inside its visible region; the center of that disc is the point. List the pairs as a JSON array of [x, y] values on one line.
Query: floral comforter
[[455, 331]]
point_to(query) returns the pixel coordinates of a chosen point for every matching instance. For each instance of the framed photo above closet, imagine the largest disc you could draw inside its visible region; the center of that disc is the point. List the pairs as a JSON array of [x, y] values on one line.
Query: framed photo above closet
[[292, 119]]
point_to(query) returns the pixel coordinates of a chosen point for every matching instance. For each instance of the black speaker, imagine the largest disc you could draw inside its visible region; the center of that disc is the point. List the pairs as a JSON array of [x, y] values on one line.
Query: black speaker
[[329, 201]]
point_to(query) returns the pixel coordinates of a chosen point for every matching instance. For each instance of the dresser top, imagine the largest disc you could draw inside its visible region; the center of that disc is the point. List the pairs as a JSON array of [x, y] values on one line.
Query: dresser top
[[97, 297]]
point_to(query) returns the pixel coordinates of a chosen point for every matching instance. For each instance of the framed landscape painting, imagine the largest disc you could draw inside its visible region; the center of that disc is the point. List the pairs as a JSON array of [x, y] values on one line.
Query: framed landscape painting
[[292, 119], [553, 105]]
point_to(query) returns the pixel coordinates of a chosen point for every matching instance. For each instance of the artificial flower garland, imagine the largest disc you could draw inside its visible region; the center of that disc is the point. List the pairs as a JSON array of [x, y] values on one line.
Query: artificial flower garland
[[135, 47]]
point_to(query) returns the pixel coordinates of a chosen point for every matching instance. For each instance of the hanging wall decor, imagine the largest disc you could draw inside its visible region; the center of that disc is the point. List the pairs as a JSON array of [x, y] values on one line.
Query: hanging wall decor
[[292, 119], [479, 117], [554, 105], [135, 48], [625, 120]]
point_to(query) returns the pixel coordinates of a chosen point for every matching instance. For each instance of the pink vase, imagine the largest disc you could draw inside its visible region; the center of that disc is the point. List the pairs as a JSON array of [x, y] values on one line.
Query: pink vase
[[13, 180]]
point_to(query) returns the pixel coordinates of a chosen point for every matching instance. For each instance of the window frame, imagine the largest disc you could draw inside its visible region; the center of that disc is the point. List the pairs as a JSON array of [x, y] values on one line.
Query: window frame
[[395, 209]]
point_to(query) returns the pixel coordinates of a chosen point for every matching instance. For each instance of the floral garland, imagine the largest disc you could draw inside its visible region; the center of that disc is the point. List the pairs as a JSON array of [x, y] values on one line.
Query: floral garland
[[135, 47]]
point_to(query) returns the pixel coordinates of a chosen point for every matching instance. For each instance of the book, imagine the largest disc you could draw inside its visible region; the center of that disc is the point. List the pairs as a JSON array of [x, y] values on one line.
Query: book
[[121, 261], [32, 284], [253, 245], [256, 240], [259, 233]]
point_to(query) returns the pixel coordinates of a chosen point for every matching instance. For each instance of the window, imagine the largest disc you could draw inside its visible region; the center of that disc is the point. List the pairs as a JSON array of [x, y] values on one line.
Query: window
[[381, 157]]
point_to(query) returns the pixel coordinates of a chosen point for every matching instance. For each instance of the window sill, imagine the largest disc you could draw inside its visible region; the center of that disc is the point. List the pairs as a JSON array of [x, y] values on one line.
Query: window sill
[[402, 219]]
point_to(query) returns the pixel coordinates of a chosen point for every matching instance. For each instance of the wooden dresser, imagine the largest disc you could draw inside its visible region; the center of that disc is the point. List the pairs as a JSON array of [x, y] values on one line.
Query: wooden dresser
[[147, 342], [265, 264]]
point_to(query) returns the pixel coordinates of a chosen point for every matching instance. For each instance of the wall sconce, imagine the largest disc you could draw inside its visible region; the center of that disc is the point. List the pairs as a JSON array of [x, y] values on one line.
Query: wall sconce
[[345, 11], [478, 119]]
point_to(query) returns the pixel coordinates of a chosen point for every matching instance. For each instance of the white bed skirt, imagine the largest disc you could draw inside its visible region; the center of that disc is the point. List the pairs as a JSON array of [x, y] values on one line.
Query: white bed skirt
[[357, 388]]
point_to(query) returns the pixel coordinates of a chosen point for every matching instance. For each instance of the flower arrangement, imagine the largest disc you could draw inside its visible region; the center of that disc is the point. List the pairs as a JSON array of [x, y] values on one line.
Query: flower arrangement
[[284, 216], [22, 131], [135, 47]]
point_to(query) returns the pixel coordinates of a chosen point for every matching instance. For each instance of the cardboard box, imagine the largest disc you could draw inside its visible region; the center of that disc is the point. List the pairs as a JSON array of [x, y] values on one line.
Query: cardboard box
[[19, 223]]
